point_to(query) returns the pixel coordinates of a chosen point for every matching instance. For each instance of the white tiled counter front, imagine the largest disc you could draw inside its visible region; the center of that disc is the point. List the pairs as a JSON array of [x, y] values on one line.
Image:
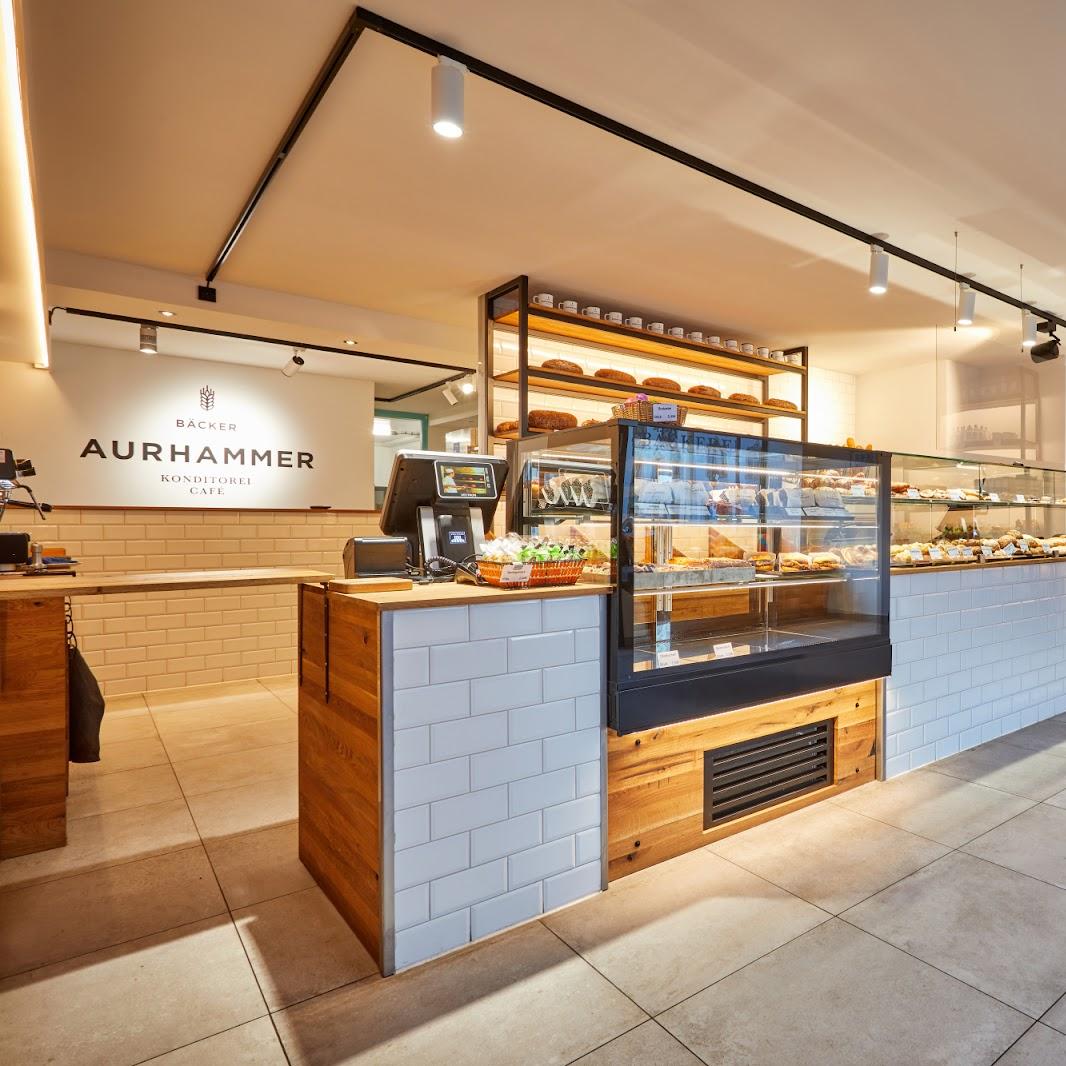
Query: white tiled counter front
[[976, 653], [497, 775]]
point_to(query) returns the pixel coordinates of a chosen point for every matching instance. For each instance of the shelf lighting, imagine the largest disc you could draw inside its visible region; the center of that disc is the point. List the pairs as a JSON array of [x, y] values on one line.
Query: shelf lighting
[[447, 98], [878, 268], [148, 343]]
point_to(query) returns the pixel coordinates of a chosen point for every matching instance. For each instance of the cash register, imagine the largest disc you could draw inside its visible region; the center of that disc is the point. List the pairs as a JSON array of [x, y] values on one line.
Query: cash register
[[442, 503]]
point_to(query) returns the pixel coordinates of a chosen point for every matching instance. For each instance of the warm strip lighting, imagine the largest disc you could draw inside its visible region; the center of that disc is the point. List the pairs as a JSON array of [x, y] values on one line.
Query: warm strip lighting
[[12, 92]]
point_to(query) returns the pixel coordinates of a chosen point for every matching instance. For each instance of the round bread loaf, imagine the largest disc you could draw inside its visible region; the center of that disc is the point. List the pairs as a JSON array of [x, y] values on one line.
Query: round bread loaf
[[563, 365], [616, 375], [662, 383], [785, 405], [743, 397], [706, 390], [552, 420]]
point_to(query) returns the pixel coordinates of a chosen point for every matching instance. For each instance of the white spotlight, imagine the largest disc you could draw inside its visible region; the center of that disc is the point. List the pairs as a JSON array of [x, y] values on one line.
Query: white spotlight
[[447, 93], [967, 302], [449, 394], [1029, 321], [148, 343], [294, 364], [878, 269], [466, 387]]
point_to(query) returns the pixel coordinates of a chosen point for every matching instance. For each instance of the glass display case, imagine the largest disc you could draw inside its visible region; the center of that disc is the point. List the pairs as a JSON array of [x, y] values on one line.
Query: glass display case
[[959, 510], [746, 569]]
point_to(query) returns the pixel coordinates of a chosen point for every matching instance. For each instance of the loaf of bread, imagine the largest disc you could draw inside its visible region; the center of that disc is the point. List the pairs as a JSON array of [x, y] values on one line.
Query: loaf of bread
[[706, 390], [662, 383], [563, 365], [616, 375], [785, 405], [743, 397], [552, 420], [506, 427], [591, 422]]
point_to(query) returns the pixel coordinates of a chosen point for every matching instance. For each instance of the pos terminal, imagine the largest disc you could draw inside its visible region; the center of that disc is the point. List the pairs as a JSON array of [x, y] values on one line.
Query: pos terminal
[[442, 502]]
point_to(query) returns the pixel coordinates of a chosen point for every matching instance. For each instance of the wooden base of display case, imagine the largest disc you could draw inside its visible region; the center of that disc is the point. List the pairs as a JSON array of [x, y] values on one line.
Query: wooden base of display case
[[655, 778]]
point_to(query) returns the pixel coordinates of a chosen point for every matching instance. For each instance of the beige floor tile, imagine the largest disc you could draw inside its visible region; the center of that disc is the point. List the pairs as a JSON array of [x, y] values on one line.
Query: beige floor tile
[[252, 1044], [829, 855], [995, 929], [1056, 1017], [213, 772], [222, 692], [102, 793], [1034, 843], [127, 1003], [285, 688], [942, 808], [837, 997], [231, 811], [116, 756], [260, 865], [300, 947], [1021, 772], [222, 740], [72, 916], [1048, 736], [1040, 1046], [1058, 800], [192, 717], [518, 999], [671, 930], [106, 840], [648, 1043], [126, 725], [126, 703]]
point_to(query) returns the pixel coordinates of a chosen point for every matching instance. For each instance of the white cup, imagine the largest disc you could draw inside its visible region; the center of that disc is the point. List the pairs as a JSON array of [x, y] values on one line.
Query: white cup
[[635, 322], [657, 327], [591, 312], [545, 299], [676, 331], [747, 349], [613, 316], [696, 335], [714, 340], [568, 305], [777, 355], [795, 358], [734, 345], [764, 352]]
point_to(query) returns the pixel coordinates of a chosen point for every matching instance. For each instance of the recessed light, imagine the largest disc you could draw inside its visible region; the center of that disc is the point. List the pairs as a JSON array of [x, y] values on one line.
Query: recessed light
[[349, 342], [167, 314]]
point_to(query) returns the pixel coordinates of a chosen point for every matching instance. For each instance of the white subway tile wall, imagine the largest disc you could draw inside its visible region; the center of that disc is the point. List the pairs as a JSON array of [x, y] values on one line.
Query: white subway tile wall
[[501, 819], [831, 397], [158, 640], [976, 654]]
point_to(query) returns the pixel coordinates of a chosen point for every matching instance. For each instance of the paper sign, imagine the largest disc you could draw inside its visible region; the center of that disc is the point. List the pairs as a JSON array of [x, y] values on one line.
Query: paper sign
[[993, 497], [858, 490], [986, 551], [917, 557], [1009, 550], [664, 412], [667, 658], [1019, 498], [953, 553], [724, 651], [913, 494], [967, 553], [1024, 547], [935, 554], [516, 573]]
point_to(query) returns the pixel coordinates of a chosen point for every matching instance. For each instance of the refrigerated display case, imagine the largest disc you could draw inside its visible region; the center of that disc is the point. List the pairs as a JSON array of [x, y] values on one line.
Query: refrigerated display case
[[745, 569]]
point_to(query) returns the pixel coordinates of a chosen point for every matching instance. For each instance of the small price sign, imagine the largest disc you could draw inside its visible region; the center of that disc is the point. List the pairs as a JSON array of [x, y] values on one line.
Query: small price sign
[[858, 490], [967, 553], [1023, 547], [724, 651], [936, 554], [913, 494], [917, 557], [664, 412], [993, 497], [1019, 498], [516, 573], [667, 658], [986, 551], [953, 553], [1009, 550]]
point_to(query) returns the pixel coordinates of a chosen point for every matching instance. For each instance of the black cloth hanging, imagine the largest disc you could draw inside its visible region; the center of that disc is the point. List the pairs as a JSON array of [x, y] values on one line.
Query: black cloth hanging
[[85, 702]]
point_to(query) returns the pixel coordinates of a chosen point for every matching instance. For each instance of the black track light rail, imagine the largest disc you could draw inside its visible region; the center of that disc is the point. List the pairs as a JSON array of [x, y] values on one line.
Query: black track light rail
[[457, 371]]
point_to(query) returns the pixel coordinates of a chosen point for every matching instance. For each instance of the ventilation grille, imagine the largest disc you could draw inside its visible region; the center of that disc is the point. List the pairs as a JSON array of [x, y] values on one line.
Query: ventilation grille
[[754, 774]]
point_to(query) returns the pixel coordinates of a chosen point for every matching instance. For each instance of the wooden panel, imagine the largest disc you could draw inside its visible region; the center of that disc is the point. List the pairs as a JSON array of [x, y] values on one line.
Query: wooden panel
[[452, 594], [371, 584], [655, 778], [340, 758], [33, 726]]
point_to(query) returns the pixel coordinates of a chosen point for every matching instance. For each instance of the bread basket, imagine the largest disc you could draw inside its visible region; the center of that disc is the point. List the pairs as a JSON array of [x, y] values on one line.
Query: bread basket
[[641, 411], [541, 574]]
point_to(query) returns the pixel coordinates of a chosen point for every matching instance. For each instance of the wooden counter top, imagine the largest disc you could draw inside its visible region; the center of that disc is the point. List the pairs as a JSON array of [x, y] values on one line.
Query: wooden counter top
[[452, 594], [36, 588], [939, 568]]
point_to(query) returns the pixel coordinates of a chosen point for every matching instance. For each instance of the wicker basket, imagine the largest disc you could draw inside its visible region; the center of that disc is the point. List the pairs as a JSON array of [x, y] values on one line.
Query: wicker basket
[[641, 411], [540, 576]]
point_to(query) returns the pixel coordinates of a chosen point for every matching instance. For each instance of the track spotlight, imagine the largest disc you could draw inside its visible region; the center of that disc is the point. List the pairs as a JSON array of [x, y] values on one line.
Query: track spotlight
[[967, 302], [1028, 329], [1044, 353], [447, 93], [294, 364], [449, 394], [878, 268], [466, 387], [148, 343]]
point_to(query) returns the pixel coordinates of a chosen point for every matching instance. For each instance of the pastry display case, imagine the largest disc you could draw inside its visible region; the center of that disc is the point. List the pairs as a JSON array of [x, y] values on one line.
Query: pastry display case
[[746, 569], [956, 511]]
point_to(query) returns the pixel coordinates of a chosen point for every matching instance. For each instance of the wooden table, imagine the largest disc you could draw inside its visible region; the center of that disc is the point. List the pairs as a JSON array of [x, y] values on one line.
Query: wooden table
[[33, 687]]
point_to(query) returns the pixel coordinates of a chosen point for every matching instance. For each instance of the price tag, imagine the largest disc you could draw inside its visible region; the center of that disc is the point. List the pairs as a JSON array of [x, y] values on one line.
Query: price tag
[[917, 557], [913, 494], [858, 490], [986, 551], [953, 553], [1009, 550], [664, 412], [935, 554], [993, 497], [1019, 498], [956, 494], [1024, 547], [724, 651], [516, 573], [967, 553], [667, 658]]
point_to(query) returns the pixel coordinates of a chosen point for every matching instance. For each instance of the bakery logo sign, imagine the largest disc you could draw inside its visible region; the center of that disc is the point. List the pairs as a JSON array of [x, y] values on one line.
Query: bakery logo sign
[[212, 468]]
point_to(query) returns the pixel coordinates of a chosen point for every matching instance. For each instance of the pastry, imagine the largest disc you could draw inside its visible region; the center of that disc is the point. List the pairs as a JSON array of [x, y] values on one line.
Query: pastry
[[563, 365], [661, 383], [743, 397], [616, 375], [552, 420], [506, 427], [785, 405], [706, 390], [591, 422]]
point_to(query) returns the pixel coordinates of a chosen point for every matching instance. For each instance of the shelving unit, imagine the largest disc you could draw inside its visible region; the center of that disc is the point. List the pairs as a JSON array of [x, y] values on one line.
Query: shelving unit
[[508, 308]]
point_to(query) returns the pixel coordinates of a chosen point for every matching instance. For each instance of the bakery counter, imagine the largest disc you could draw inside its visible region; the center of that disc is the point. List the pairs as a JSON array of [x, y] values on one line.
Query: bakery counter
[[977, 653], [451, 758], [33, 687]]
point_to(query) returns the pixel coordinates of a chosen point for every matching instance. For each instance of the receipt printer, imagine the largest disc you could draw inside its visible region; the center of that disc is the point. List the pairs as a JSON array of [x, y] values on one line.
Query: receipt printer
[[375, 557]]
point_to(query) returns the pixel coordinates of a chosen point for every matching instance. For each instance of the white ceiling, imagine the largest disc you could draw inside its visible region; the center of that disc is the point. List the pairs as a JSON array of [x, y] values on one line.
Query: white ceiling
[[152, 121]]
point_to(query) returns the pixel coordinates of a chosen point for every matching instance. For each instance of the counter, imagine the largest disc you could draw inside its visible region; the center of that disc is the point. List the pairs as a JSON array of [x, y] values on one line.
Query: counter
[[33, 687], [451, 759]]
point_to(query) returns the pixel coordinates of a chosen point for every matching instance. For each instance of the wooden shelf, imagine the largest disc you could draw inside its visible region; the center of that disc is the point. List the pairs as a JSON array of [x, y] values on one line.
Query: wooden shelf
[[602, 389], [644, 342]]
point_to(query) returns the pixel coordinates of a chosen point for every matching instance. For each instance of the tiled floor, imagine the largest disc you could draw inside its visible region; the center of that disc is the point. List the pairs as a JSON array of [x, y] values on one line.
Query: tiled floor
[[918, 921]]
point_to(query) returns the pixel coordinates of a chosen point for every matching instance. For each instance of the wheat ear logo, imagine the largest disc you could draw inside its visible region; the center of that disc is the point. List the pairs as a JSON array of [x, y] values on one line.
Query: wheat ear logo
[[207, 398]]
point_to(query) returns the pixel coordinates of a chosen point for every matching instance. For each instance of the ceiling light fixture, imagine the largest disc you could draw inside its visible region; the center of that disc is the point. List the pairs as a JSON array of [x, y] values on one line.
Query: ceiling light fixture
[[967, 303], [1044, 353], [447, 98], [167, 314], [466, 387], [349, 342], [148, 341], [878, 267], [449, 394], [1029, 321], [294, 364]]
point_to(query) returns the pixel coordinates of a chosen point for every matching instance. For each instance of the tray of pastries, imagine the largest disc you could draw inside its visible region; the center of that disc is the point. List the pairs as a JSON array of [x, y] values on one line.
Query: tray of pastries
[[681, 571]]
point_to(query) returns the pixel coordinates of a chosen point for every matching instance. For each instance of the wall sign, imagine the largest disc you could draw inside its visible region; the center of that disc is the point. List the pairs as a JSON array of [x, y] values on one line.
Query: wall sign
[[116, 429]]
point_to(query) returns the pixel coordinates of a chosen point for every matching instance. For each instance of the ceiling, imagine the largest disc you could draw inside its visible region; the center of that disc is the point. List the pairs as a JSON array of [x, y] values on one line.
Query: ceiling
[[152, 121]]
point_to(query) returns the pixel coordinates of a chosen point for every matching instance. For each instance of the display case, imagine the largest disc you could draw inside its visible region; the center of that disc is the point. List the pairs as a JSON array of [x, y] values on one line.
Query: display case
[[953, 511], [746, 569]]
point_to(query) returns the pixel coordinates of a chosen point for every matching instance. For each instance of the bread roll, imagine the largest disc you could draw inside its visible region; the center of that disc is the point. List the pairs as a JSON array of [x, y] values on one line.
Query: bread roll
[[785, 405], [662, 383], [552, 420], [616, 375], [706, 390], [743, 397], [563, 365], [506, 427]]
